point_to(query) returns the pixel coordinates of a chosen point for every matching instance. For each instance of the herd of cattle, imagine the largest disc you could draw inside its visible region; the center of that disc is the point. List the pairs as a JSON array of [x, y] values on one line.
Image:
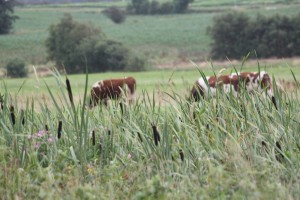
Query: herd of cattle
[[104, 90]]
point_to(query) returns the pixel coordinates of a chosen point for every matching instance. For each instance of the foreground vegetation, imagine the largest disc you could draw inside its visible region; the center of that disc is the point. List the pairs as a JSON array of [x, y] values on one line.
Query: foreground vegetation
[[216, 148]]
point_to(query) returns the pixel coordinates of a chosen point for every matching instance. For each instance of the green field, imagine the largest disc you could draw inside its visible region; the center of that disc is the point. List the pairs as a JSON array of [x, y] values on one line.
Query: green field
[[161, 38], [158, 82]]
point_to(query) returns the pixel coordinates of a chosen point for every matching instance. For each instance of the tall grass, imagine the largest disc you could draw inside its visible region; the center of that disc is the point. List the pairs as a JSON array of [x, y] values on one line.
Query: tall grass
[[216, 148]]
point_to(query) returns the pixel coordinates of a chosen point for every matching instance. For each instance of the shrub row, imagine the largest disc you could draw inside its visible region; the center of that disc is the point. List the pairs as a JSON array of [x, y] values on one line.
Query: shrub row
[[146, 7], [235, 34]]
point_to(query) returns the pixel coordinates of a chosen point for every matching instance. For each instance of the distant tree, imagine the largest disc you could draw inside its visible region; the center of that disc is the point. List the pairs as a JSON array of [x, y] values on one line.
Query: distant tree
[[115, 14], [139, 7], [166, 8], [295, 44], [6, 16], [272, 36], [234, 35], [107, 55], [153, 7], [64, 38], [73, 46], [181, 6], [229, 34]]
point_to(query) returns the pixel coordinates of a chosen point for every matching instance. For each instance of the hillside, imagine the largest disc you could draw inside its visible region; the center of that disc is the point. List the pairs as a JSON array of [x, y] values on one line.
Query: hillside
[[161, 39]]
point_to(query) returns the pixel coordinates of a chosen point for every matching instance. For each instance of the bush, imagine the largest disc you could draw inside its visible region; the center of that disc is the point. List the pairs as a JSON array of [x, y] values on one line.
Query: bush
[[73, 48], [64, 38], [108, 55], [115, 14], [139, 7], [234, 35], [154, 7], [229, 36], [272, 36], [16, 69], [166, 8]]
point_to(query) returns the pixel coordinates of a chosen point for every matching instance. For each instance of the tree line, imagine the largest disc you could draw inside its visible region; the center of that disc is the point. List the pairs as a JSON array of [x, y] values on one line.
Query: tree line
[[235, 34]]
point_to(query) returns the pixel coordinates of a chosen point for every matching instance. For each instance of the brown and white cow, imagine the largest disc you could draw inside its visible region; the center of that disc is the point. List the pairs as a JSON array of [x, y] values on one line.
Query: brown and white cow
[[104, 90], [252, 81]]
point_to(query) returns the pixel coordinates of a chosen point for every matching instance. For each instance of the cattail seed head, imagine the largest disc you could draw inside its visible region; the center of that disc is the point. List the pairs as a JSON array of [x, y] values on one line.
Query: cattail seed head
[[59, 129], [69, 90], [181, 155], [121, 106], [46, 128], [155, 134], [94, 138], [12, 115], [278, 145], [1, 101], [279, 156], [274, 102]]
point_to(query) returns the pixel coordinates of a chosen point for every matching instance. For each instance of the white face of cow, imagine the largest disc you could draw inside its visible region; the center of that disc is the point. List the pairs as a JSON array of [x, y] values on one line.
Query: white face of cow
[[202, 83], [98, 84]]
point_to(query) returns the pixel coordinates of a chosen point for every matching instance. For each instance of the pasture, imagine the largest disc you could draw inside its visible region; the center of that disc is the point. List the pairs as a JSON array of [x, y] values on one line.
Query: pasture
[[157, 81]]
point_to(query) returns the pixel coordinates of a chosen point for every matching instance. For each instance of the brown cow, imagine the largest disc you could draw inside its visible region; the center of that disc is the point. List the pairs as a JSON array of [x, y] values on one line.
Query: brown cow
[[253, 81], [104, 90]]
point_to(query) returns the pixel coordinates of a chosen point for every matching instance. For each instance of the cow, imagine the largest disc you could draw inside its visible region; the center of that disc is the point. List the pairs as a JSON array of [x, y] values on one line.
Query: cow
[[252, 81], [104, 90]]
